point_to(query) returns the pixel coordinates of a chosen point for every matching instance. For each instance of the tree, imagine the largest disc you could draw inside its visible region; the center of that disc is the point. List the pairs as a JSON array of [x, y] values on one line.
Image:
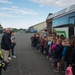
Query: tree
[[1, 29], [15, 30]]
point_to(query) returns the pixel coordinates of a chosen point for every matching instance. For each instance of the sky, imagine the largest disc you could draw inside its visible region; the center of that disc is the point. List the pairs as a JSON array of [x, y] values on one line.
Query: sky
[[26, 13]]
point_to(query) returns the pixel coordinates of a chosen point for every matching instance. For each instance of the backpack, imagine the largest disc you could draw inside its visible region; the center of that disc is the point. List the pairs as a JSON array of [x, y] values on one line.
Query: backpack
[[3, 64], [64, 51], [69, 71]]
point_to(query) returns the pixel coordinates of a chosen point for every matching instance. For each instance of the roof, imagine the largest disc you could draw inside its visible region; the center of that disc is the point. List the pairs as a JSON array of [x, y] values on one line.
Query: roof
[[38, 24], [50, 15], [62, 12]]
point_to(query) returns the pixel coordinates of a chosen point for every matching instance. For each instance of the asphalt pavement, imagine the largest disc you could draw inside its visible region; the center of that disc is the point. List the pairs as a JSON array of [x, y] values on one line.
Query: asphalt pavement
[[28, 61]]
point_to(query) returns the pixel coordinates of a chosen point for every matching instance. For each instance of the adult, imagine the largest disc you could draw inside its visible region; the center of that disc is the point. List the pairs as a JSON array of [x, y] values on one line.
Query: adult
[[6, 44], [13, 43]]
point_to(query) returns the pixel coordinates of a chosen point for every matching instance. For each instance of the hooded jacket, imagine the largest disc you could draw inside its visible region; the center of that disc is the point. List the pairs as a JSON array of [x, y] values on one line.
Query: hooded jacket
[[72, 57], [6, 42]]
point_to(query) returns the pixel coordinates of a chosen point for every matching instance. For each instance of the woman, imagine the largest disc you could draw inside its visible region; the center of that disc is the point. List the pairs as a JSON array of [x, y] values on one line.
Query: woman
[[13, 43]]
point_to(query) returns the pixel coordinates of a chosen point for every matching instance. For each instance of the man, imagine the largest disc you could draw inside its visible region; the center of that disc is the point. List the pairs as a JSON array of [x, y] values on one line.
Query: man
[[6, 44]]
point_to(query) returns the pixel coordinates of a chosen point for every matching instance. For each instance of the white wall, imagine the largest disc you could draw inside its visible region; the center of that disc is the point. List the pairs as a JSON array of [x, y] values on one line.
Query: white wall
[[62, 30], [40, 26]]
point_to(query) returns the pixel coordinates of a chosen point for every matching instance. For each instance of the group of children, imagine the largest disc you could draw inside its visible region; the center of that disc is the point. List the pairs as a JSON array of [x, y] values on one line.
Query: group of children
[[59, 50]]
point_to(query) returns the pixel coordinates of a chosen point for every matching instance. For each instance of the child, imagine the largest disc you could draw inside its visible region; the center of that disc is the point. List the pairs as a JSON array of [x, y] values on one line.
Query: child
[[68, 52], [57, 37], [50, 42], [1, 59], [52, 50], [46, 46], [13, 43], [42, 44], [57, 54], [63, 65], [54, 45], [37, 40], [32, 40], [72, 57], [2, 63]]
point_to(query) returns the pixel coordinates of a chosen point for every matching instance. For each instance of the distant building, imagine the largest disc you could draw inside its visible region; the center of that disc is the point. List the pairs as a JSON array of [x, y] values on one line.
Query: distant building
[[38, 27], [49, 22]]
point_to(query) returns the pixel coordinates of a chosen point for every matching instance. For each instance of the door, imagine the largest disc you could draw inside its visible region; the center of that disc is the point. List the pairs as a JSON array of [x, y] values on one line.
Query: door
[[71, 32]]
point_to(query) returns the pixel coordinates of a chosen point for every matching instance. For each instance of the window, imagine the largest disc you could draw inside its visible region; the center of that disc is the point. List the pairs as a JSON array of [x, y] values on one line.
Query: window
[[72, 20]]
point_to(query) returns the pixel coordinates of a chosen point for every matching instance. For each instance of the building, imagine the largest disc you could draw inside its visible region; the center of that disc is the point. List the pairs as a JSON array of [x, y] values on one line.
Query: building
[[64, 21], [38, 27], [49, 22]]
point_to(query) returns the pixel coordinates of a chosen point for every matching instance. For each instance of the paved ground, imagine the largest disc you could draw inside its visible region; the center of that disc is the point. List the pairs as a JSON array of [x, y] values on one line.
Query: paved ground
[[28, 61]]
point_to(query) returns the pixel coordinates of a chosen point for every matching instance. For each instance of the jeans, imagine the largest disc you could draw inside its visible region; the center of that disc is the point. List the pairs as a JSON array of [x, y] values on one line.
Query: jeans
[[73, 69], [12, 46]]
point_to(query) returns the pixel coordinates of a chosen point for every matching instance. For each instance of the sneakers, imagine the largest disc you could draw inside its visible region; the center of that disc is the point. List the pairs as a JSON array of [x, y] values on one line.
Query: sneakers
[[9, 58], [55, 70], [50, 59], [14, 56], [39, 51], [47, 57]]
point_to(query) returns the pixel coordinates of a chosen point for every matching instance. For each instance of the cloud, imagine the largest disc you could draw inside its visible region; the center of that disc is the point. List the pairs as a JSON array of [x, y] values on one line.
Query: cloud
[[41, 5], [5, 1], [19, 11], [59, 3], [5, 15]]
